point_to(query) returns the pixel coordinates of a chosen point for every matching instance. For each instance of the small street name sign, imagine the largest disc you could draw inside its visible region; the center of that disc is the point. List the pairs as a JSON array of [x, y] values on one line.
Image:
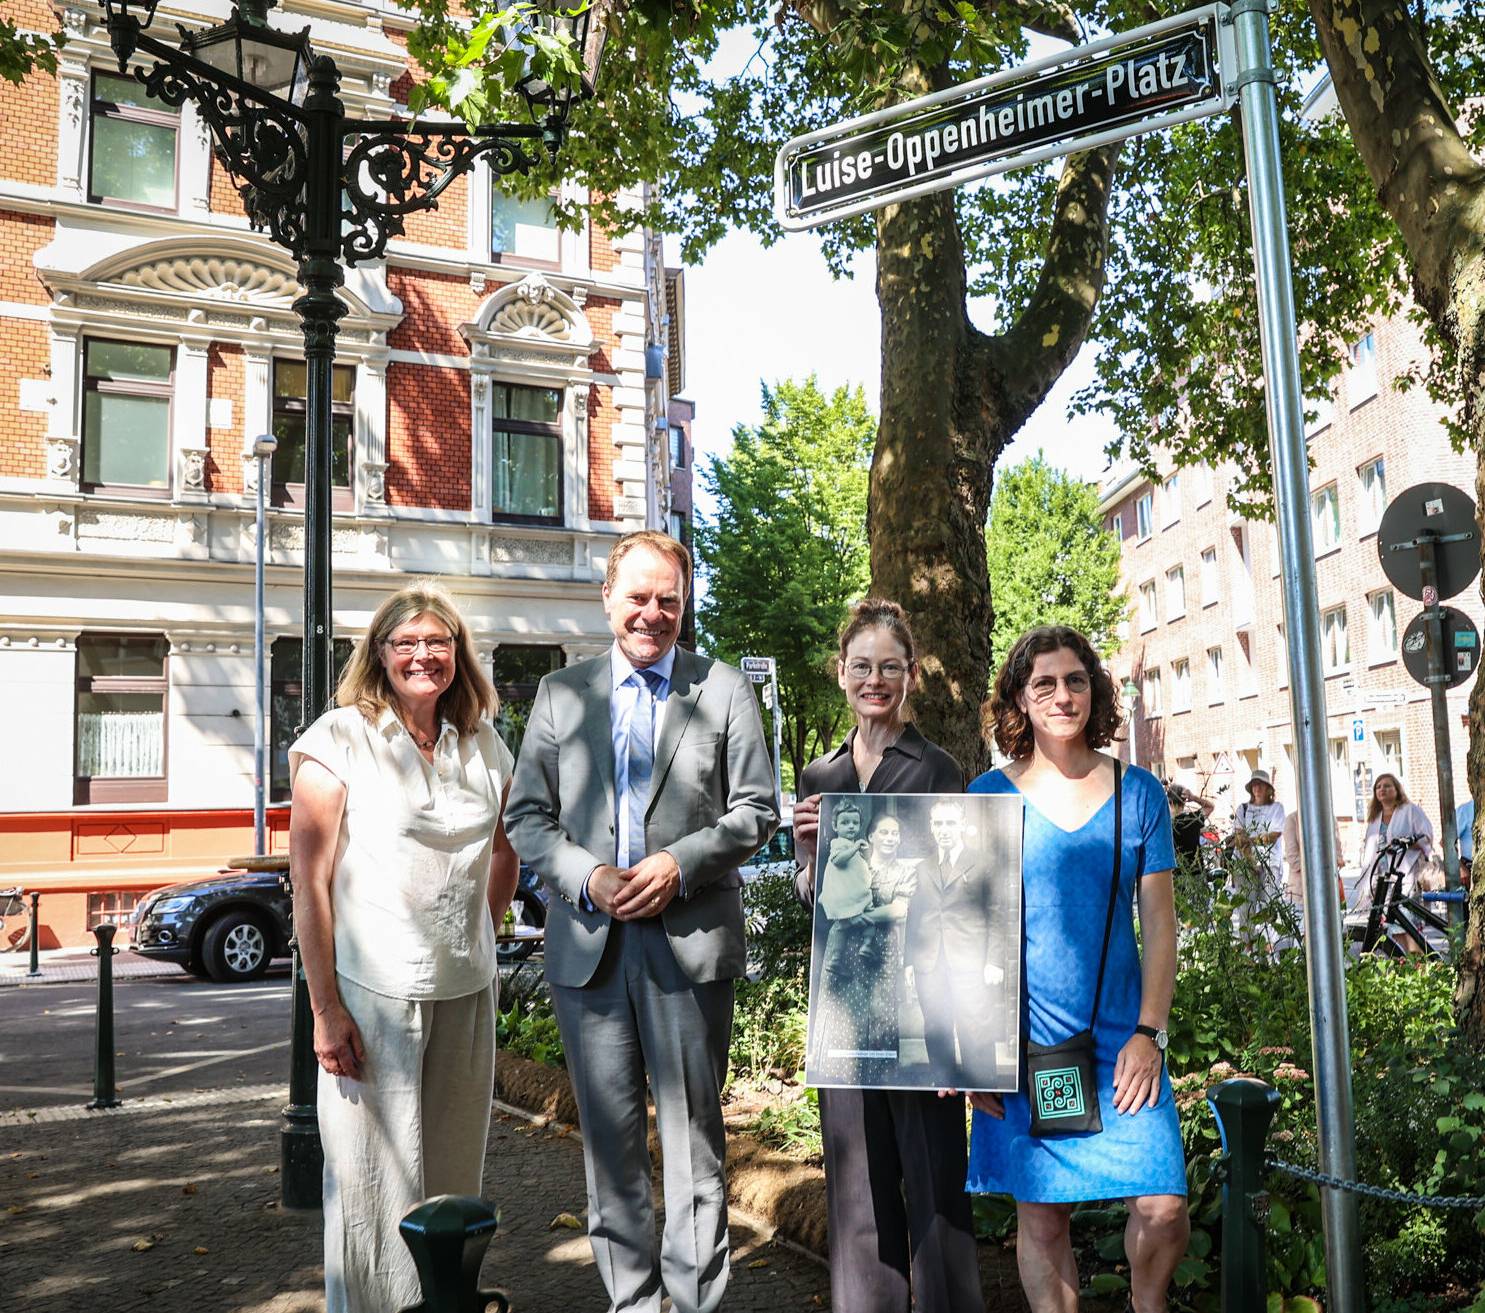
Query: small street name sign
[[759, 670], [1163, 73]]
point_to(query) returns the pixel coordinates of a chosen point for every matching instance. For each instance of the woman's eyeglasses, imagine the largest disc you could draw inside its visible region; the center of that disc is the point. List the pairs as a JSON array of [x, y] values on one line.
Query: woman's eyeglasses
[[1044, 687], [889, 670], [435, 646]]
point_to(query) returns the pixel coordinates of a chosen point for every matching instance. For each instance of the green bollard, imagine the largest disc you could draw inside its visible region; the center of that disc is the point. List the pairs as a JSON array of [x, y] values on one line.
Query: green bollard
[[103, 1075], [35, 967], [448, 1236], [1244, 1109]]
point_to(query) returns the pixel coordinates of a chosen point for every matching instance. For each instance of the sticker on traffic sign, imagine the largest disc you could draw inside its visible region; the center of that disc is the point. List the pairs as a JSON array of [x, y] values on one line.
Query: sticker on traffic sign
[[1430, 596], [1459, 653]]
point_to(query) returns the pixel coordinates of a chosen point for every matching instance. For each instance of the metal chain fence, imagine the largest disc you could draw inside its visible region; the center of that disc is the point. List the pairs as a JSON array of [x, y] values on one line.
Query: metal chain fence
[[1471, 1202]]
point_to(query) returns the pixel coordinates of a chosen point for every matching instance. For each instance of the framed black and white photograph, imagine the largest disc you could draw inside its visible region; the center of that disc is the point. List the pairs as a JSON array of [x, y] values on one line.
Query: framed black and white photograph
[[915, 960]]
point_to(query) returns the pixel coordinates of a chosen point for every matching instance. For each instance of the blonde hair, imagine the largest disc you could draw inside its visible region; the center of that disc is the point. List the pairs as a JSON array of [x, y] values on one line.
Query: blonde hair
[[662, 544], [469, 698]]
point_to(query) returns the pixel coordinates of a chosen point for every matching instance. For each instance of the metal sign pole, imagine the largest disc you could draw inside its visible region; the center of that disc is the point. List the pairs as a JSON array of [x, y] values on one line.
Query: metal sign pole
[[1438, 683], [778, 743], [1271, 259]]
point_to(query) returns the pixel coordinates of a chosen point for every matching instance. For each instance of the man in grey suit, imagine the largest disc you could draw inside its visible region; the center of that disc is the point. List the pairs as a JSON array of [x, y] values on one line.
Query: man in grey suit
[[955, 948], [643, 782]]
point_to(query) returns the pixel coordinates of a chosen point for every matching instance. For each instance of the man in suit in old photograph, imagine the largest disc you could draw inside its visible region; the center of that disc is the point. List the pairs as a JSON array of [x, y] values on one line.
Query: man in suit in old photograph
[[955, 951], [644, 781]]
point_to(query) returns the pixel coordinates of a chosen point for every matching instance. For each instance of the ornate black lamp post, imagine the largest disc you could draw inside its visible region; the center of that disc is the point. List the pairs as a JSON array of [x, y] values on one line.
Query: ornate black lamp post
[[332, 190]]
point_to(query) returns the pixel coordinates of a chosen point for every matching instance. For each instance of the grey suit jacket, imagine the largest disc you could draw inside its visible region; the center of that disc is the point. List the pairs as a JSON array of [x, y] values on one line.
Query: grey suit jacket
[[712, 806]]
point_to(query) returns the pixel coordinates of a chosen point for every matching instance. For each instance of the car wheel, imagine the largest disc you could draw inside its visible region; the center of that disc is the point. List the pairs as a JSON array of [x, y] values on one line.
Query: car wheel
[[236, 948], [529, 912]]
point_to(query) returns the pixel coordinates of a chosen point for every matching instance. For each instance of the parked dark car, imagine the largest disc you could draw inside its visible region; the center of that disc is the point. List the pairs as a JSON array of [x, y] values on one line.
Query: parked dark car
[[229, 927], [530, 908]]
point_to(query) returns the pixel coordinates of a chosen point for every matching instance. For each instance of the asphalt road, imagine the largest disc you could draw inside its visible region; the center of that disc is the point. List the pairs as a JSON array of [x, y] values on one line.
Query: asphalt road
[[172, 1035]]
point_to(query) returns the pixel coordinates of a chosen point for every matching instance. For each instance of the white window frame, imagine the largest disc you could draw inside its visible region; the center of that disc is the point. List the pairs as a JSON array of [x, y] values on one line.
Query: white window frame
[[1371, 495], [1211, 579], [1330, 540], [1116, 526], [1144, 516], [1283, 657], [1175, 592], [1203, 484], [1152, 698], [1170, 501], [1247, 683], [1361, 372], [1378, 650], [1180, 686], [1336, 663], [1149, 608], [1216, 676]]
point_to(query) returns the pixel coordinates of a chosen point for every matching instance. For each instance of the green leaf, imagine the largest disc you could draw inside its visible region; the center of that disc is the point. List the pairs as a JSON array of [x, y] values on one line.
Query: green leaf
[[1200, 1244], [1191, 1270], [1107, 1283]]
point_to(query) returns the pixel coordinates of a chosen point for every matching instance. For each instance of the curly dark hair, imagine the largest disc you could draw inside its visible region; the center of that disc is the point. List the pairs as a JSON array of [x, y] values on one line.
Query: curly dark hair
[[1011, 727]]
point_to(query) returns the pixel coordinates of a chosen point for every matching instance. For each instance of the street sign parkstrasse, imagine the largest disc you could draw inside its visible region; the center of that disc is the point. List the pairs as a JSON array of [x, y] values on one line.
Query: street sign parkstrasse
[[1160, 74], [759, 670]]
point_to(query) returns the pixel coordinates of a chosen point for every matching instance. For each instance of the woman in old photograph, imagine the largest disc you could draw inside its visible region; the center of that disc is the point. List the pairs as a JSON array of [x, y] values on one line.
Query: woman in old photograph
[[402, 872], [901, 1231], [1054, 707]]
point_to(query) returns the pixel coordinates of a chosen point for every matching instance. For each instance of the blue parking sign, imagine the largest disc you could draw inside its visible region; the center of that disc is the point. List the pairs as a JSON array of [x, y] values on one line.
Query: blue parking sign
[[1358, 729]]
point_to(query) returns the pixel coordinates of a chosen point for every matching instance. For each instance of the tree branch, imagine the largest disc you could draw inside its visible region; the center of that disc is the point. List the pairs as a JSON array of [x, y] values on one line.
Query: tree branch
[[1032, 353]]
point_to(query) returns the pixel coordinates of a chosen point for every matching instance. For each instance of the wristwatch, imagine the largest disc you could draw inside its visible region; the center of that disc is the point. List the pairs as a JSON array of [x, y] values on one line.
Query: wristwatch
[[1159, 1036]]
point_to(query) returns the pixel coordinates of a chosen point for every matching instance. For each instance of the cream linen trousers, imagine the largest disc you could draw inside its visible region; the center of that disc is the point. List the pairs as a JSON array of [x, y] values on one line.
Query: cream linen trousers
[[414, 1126]]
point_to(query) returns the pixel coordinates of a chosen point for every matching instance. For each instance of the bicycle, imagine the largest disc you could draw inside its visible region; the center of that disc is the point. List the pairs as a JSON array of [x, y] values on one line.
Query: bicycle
[[1391, 911]]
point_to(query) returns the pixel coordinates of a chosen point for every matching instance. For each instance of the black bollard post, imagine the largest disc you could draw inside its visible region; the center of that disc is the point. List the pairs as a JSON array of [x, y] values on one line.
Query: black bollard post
[[448, 1236], [35, 969], [1244, 1109], [103, 1091]]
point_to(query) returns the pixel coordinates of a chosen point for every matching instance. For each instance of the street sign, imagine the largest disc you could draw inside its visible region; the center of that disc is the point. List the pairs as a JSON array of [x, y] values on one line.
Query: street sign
[[1461, 652], [1154, 76], [1438, 513], [1385, 697], [1358, 729], [759, 670]]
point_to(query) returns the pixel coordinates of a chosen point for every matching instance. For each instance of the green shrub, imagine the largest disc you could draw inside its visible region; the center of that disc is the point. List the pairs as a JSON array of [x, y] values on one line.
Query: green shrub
[[528, 1028]]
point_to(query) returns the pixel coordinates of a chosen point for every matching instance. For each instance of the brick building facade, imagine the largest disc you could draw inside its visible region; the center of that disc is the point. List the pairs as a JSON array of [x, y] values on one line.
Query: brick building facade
[[1204, 647], [503, 400]]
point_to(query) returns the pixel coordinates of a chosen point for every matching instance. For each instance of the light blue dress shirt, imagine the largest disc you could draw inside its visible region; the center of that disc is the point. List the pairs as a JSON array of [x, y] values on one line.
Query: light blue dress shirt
[[1464, 822], [623, 697]]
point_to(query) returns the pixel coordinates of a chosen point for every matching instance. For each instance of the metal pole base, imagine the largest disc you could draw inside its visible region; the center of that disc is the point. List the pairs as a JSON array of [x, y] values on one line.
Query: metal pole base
[[301, 1161], [104, 1103]]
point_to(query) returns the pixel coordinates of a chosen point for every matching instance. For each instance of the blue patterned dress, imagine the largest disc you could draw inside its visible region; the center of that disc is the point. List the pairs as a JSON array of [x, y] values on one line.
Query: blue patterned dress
[[1066, 879]]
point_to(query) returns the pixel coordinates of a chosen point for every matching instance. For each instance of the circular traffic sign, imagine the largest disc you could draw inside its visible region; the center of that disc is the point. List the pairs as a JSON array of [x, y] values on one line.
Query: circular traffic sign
[[1460, 652], [1445, 512]]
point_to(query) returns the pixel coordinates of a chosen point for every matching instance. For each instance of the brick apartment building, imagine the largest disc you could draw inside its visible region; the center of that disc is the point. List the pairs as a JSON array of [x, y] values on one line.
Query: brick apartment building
[[504, 410], [1205, 636]]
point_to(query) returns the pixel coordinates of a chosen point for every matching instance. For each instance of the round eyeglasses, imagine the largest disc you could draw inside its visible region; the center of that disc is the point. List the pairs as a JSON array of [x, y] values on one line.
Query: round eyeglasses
[[889, 670], [1044, 687]]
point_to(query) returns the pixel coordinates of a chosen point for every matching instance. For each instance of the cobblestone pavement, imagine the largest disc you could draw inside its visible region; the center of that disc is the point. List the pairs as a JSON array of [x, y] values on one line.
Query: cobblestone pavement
[[170, 1205]]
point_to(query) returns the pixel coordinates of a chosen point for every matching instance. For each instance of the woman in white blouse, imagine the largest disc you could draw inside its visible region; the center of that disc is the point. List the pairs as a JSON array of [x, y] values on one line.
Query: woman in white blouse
[[1391, 816], [1258, 826], [401, 873]]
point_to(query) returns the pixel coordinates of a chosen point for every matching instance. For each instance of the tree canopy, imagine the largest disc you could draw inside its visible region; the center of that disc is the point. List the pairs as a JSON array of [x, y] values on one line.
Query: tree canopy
[[786, 553], [1052, 562]]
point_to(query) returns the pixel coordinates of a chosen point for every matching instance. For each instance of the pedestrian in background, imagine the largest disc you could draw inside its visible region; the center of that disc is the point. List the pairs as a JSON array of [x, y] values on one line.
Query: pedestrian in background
[[401, 873], [1258, 827], [1391, 816]]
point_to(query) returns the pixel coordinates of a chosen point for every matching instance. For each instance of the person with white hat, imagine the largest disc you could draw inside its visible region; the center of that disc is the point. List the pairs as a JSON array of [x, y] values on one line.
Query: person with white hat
[[1258, 827]]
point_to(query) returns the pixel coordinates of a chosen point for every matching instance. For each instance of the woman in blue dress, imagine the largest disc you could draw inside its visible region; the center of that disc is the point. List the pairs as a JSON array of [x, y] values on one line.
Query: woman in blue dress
[[1054, 707]]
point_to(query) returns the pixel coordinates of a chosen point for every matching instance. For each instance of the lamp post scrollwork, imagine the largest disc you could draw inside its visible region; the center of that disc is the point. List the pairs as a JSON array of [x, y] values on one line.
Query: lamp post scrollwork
[[332, 190]]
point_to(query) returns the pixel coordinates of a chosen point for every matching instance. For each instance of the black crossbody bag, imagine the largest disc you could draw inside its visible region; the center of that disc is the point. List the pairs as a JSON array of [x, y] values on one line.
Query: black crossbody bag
[[1061, 1081]]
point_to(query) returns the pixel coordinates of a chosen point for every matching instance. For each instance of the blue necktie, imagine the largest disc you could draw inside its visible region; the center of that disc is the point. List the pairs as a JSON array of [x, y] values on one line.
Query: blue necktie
[[641, 758]]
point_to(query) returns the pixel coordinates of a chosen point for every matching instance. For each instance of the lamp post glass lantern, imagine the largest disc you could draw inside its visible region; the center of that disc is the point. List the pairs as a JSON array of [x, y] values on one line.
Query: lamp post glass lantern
[[1129, 694], [333, 190]]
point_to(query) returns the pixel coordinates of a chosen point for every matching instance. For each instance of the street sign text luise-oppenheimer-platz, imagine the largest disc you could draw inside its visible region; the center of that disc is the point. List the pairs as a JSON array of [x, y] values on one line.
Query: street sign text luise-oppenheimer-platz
[[1163, 73]]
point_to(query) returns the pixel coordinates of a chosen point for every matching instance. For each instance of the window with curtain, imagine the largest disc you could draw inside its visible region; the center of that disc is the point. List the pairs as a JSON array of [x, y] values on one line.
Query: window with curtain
[[1382, 639], [1151, 695], [522, 229], [120, 722], [1325, 518], [1211, 588], [126, 414], [290, 427], [1180, 686], [1175, 591], [526, 464], [1148, 618], [132, 145], [1335, 643], [1144, 515], [1170, 499], [1216, 675], [1361, 376], [1371, 484]]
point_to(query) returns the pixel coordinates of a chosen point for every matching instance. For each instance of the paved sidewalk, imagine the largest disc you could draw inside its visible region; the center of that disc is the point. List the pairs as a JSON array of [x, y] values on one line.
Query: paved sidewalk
[[64, 965], [169, 1205]]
